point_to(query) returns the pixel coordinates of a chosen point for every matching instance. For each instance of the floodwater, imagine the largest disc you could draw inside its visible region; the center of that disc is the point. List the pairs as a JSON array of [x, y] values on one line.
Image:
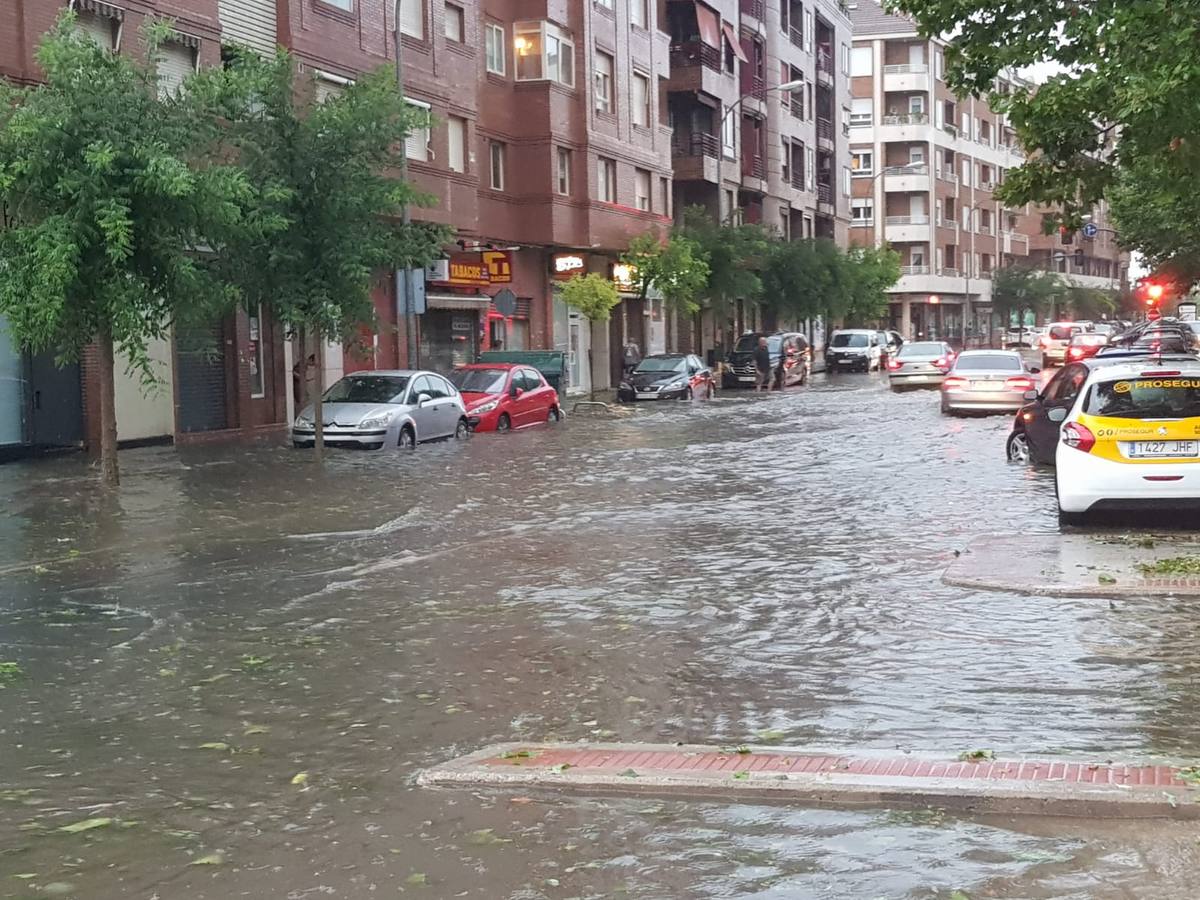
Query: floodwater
[[241, 661]]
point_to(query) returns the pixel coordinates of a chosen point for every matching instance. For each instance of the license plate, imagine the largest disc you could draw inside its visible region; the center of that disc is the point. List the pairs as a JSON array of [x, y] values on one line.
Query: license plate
[[644, 396], [1161, 449], [846, 362], [987, 386], [918, 377], [746, 378]]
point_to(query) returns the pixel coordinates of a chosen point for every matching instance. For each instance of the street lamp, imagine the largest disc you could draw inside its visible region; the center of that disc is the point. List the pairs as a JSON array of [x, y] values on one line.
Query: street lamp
[[405, 304], [789, 86]]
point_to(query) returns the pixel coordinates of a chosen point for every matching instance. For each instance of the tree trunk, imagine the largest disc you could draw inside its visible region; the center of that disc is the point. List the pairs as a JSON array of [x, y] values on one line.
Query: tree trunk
[[318, 391], [591, 374], [110, 472]]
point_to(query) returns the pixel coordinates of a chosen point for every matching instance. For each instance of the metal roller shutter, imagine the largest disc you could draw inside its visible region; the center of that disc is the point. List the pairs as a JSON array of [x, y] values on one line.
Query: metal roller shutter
[[176, 63], [100, 29], [200, 360], [249, 22]]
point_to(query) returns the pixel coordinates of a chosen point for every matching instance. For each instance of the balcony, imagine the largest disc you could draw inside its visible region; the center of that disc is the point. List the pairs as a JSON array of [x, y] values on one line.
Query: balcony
[[825, 131], [796, 36], [914, 270], [754, 167], [911, 77], [694, 156], [986, 229], [952, 224], [825, 194], [1014, 243], [944, 174], [904, 128], [755, 9], [906, 229], [906, 119], [906, 179], [825, 64], [698, 143], [950, 272], [987, 185], [754, 87], [696, 53]]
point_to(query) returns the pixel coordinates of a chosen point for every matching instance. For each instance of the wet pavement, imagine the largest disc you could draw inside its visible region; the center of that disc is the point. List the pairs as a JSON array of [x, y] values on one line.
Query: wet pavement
[[239, 663]]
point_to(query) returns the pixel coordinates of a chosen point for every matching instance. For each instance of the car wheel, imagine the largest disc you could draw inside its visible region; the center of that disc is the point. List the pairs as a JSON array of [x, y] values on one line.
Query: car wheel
[[710, 391], [408, 438], [554, 414], [1017, 448], [689, 394], [504, 423], [462, 431]]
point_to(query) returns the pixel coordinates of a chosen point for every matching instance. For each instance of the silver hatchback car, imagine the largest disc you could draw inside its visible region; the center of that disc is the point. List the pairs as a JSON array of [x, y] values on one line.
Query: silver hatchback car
[[397, 408], [987, 381]]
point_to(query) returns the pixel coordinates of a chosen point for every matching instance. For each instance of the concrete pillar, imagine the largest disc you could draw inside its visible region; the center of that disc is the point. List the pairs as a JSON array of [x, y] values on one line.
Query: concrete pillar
[[906, 319]]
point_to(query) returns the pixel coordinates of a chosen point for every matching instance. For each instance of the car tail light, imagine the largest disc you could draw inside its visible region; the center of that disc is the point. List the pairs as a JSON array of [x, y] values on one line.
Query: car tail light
[[894, 364], [1019, 383], [941, 362], [1160, 374], [1078, 437], [954, 382], [1075, 352]]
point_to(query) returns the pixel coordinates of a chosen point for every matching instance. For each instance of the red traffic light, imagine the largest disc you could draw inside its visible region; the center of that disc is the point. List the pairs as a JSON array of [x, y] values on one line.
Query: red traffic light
[[1154, 292]]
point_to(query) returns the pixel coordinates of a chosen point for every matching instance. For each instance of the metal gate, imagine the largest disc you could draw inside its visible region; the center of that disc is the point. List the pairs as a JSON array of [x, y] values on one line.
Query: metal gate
[[200, 361]]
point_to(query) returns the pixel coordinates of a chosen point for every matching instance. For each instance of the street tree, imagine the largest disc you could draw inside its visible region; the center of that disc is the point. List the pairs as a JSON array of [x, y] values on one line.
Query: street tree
[[735, 255], [594, 296], [676, 267], [800, 279], [328, 197], [1018, 289], [868, 273], [1120, 118], [117, 202]]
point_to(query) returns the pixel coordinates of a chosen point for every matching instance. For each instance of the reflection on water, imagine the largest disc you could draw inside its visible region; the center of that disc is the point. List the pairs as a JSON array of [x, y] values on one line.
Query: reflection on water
[[239, 617]]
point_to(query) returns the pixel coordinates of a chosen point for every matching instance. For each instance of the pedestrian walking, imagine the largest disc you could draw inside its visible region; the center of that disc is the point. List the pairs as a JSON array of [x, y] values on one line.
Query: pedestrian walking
[[781, 368], [762, 362]]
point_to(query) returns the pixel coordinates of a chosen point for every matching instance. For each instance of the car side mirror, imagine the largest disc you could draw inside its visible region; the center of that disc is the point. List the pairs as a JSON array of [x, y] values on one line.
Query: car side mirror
[[517, 392], [1058, 414], [422, 399], [1031, 395], [1034, 370]]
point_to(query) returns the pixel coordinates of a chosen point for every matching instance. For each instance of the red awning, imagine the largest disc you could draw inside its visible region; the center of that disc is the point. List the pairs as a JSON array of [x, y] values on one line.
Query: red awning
[[731, 35], [709, 24]]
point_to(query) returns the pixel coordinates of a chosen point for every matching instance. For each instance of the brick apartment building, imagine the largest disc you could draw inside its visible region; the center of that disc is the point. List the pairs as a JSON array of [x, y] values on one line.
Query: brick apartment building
[[925, 164]]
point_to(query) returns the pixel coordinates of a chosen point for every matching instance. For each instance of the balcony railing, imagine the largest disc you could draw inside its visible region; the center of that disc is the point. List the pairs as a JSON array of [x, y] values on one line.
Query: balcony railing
[[696, 53], [907, 220], [949, 272], [950, 130], [825, 62], [797, 179], [947, 175], [824, 130], [910, 169], [914, 270], [906, 69], [796, 35], [755, 9], [825, 193], [754, 167], [987, 185], [862, 223], [755, 87], [796, 106], [986, 229], [948, 223], [906, 119], [697, 144]]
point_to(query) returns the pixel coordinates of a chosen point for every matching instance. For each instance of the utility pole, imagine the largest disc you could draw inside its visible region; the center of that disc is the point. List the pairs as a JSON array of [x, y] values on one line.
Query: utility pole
[[404, 298]]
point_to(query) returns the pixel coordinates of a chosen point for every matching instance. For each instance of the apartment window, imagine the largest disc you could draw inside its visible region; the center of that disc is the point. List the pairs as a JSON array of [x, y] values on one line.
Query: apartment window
[[641, 189], [862, 162], [562, 175], [916, 155], [416, 145], [603, 82], [916, 105], [412, 18], [102, 29], [456, 140], [176, 63], [845, 57], [341, 4], [785, 160], [965, 221], [862, 61], [862, 212], [544, 51], [862, 112], [729, 135], [607, 173], [496, 153], [257, 385], [641, 100], [455, 23], [846, 181], [808, 30], [966, 172], [810, 167], [638, 13], [664, 192], [785, 222], [916, 256], [939, 64], [494, 39], [966, 125]]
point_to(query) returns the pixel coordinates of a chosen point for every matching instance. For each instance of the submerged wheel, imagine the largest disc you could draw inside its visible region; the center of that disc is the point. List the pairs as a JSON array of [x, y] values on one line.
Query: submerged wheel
[[504, 423], [1016, 448], [408, 440]]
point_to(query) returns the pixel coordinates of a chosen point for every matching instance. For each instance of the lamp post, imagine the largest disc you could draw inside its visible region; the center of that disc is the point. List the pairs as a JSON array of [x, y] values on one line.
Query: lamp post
[[404, 300], [789, 86]]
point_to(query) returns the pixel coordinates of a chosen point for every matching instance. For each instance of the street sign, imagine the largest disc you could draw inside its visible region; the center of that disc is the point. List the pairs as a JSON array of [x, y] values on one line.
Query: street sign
[[1153, 314], [506, 302], [416, 291], [1090, 230]]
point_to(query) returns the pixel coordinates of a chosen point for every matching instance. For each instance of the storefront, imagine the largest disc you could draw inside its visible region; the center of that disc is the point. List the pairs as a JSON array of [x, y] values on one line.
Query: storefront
[[41, 402]]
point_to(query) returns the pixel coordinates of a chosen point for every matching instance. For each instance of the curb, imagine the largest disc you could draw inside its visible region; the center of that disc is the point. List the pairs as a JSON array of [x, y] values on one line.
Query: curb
[[812, 777]]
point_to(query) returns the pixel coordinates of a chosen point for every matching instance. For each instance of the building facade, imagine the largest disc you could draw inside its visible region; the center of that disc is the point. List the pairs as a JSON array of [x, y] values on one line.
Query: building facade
[[925, 164]]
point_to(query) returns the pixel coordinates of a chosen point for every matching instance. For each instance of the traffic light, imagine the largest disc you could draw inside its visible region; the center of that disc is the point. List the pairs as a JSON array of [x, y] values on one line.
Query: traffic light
[[1154, 294]]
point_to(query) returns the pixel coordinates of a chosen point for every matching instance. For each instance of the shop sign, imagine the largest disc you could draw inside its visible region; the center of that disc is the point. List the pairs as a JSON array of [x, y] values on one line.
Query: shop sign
[[462, 323], [624, 276], [467, 270], [565, 266], [499, 265]]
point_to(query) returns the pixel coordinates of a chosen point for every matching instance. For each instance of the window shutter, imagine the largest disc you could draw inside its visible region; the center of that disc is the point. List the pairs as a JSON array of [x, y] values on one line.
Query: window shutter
[[98, 28], [456, 130], [412, 18], [177, 62], [416, 145]]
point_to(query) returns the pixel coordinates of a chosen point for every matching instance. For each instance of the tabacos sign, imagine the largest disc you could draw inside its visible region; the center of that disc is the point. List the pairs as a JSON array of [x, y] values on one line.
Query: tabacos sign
[[565, 266], [478, 269]]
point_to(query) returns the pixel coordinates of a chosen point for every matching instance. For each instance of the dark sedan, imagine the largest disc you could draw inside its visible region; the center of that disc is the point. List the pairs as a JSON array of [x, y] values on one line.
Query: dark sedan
[[667, 376]]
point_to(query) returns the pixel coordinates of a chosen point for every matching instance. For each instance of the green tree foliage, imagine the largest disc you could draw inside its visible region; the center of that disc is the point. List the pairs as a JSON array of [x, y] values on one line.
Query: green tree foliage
[[118, 201], [869, 273], [735, 256], [1131, 71], [592, 294], [810, 278], [328, 200], [1016, 289], [676, 267]]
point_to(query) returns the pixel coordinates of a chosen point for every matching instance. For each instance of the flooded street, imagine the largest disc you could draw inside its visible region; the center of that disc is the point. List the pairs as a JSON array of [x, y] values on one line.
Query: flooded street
[[242, 659]]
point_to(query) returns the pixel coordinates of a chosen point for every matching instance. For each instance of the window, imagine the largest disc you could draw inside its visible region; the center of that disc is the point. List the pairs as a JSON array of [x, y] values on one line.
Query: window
[[603, 86], [785, 160], [808, 30], [966, 125], [729, 135], [102, 29], [456, 139], [966, 172], [177, 62], [846, 181], [562, 176], [494, 38], [966, 218], [641, 189], [455, 23], [412, 18], [341, 4], [862, 61], [939, 62], [862, 212], [255, 356], [916, 104], [496, 152], [416, 145], [845, 57], [862, 112], [664, 192], [607, 172], [641, 100], [810, 167], [862, 162], [785, 223], [916, 256], [916, 155], [544, 50], [638, 14]]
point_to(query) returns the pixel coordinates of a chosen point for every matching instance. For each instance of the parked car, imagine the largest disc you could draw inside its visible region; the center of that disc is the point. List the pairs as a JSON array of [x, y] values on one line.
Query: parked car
[[1085, 345], [668, 376], [1053, 343], [986, 381], [504, 396], [397, 408], [1021, 337], [740, 369], [890, 343], [853, 349], [920, 364]]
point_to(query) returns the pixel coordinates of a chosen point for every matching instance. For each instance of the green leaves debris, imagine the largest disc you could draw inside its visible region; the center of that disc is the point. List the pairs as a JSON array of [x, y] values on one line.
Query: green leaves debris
[[1175, 565], [10, 672], [213, 859], [86, 825], [741, 776], [976, 755]]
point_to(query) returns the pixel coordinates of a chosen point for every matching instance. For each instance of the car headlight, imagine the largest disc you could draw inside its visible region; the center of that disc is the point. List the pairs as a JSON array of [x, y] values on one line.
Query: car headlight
[[626, 386], [674, 385], [375, 422], [485, 407], [304, 422]]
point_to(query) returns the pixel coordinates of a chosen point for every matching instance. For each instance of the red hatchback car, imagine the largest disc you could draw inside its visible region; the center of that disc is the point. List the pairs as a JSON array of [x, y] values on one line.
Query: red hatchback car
[[504, 396]]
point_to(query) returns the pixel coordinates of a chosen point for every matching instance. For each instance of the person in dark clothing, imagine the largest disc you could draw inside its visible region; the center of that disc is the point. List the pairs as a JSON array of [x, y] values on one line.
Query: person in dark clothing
[[762, 362], [781, 368]]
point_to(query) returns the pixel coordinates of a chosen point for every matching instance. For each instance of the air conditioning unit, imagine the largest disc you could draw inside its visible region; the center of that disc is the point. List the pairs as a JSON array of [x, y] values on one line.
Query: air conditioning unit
[[438, 270]]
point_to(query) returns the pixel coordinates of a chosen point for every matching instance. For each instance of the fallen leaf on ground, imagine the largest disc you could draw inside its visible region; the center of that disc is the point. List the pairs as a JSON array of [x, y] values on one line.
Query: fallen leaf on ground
[[214, 745], [300, 778], [769, 735], [976, 755], [741, 776], [213, 859], [257, 729], [416, 878], [85, 825]]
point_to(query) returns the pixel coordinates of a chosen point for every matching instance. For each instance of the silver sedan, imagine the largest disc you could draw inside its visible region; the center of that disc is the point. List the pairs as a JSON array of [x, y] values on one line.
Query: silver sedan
[[987, 381], [920, 364], [398, 408]]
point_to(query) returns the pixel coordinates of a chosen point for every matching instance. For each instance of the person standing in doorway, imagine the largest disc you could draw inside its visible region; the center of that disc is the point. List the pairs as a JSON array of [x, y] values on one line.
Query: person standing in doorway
[[762, 362]]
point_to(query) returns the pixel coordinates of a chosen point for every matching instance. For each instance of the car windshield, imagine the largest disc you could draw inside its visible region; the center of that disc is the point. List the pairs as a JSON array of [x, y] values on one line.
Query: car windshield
[[850, 340], [1154, 397], [748, 343], [1062, 332], [661, 364], [367, 389], [479, 381], [924, 349], [988, 361]]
